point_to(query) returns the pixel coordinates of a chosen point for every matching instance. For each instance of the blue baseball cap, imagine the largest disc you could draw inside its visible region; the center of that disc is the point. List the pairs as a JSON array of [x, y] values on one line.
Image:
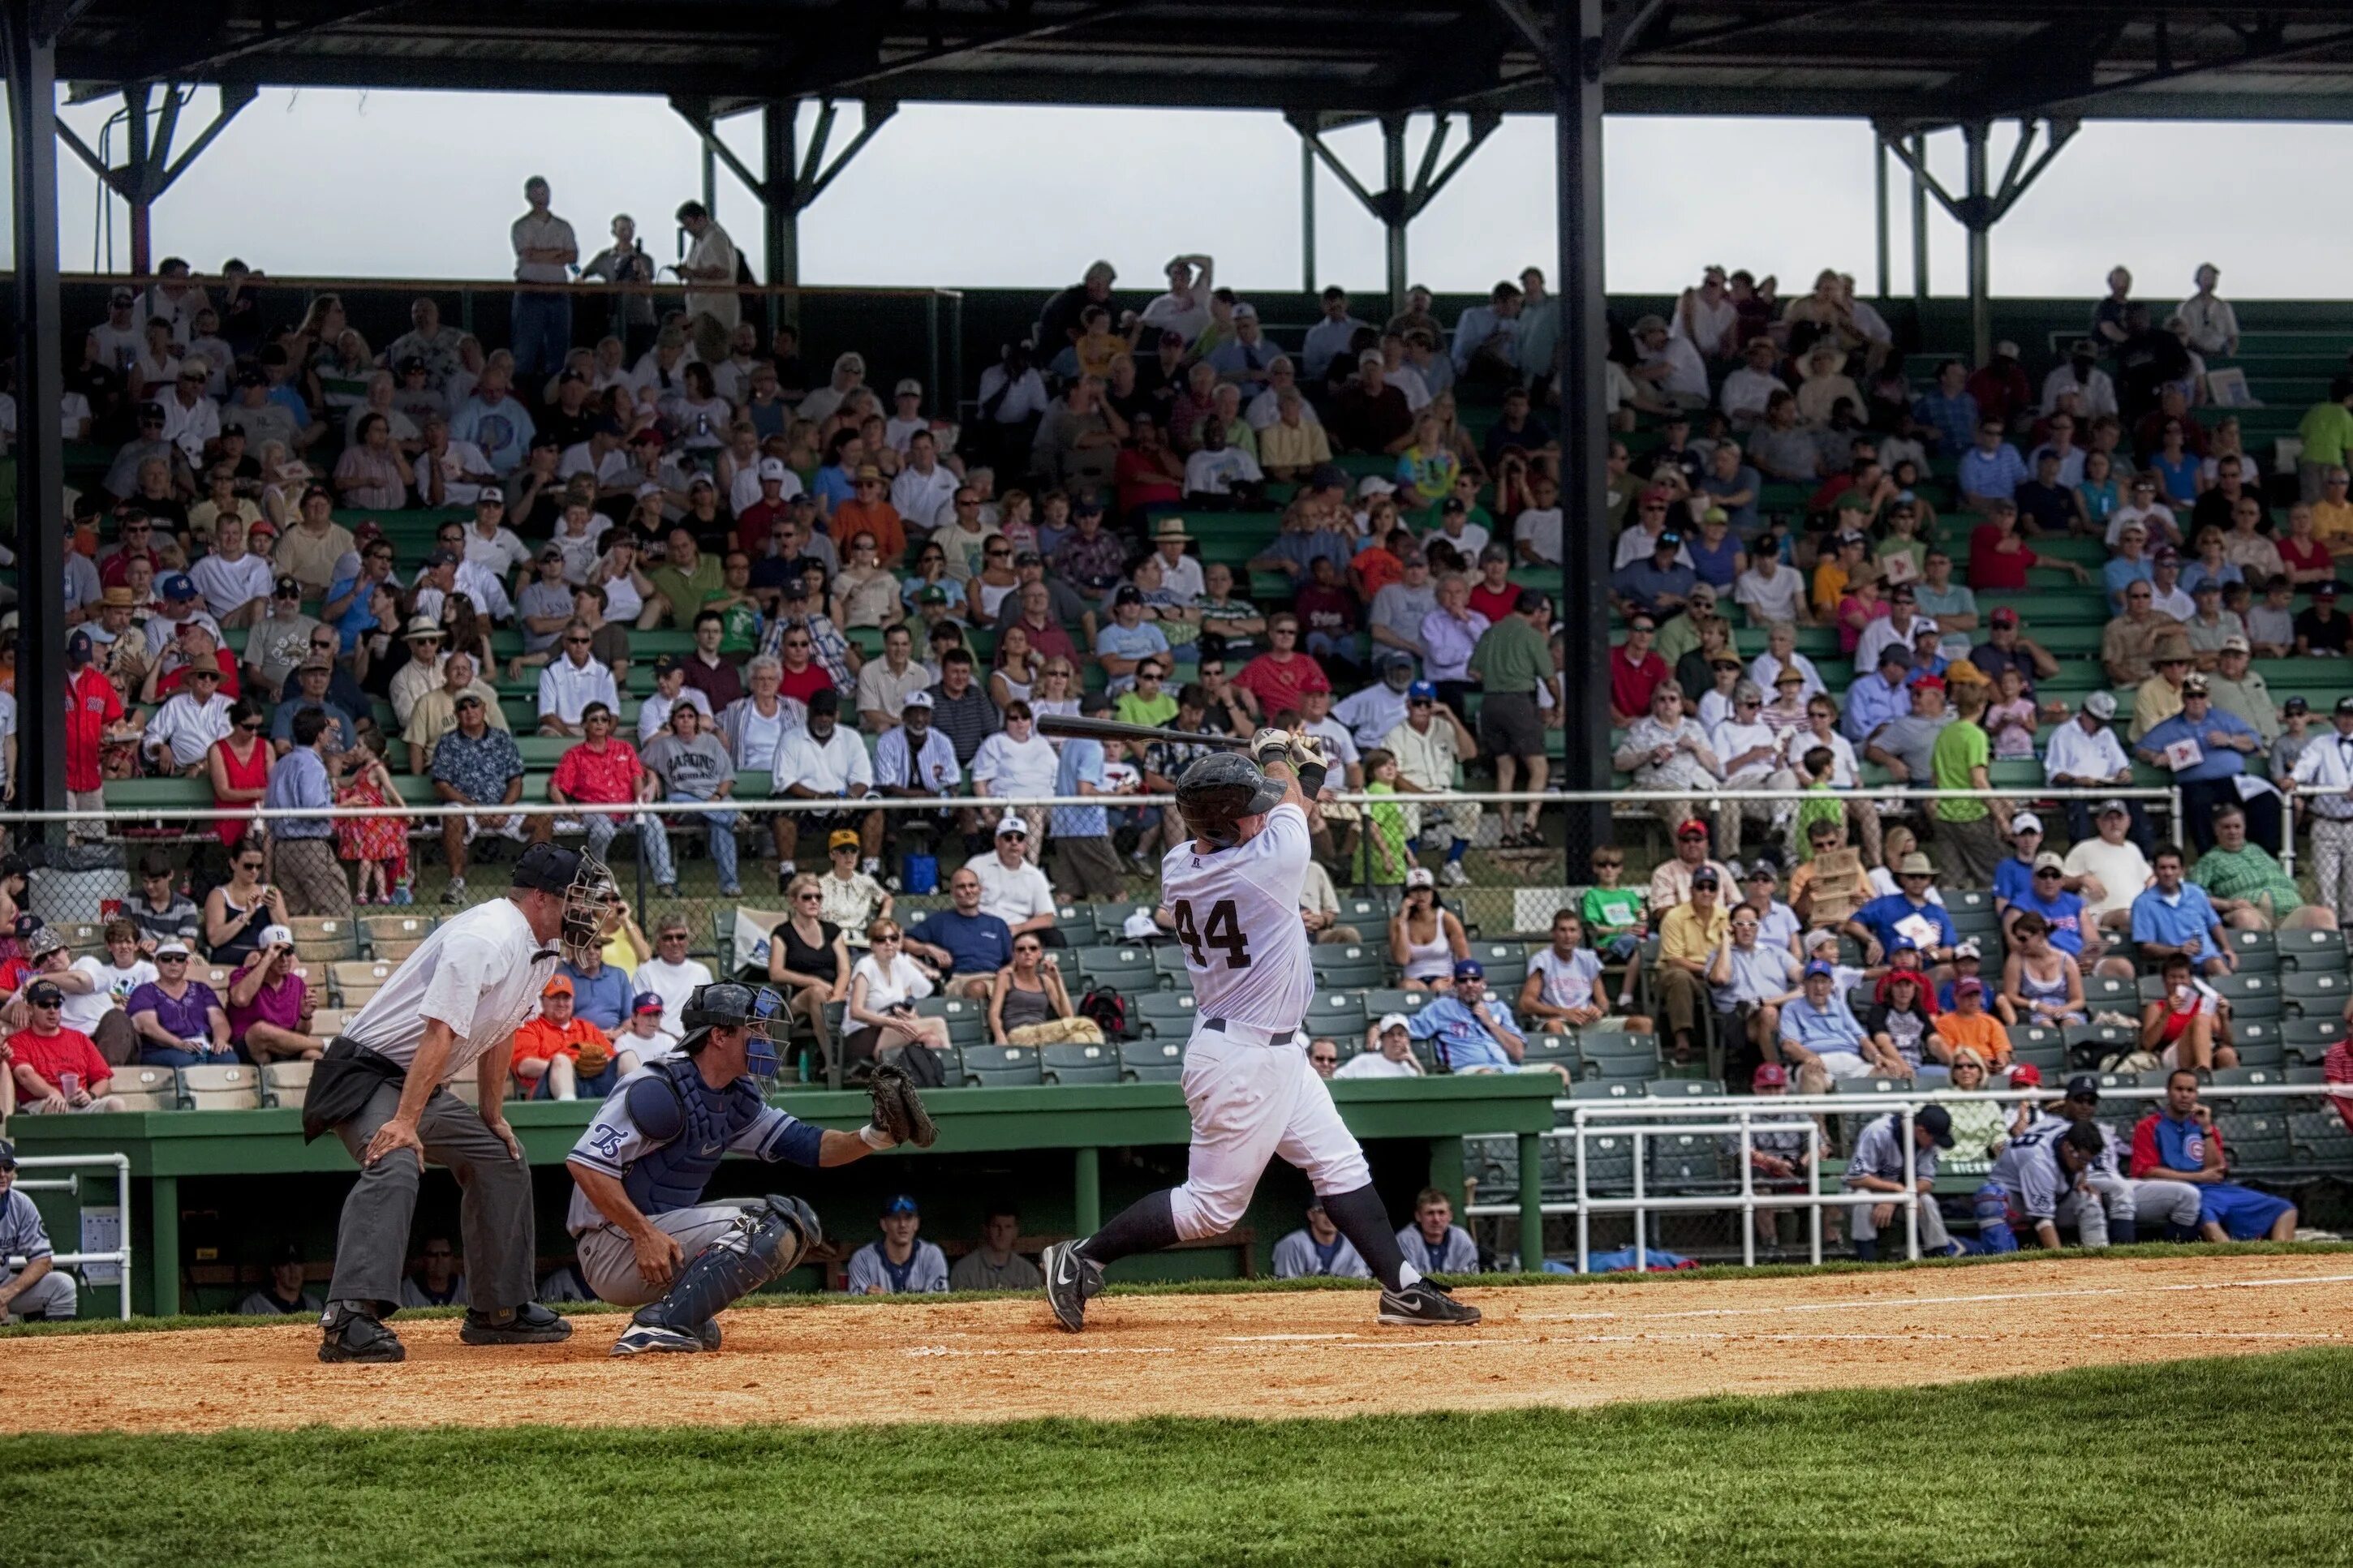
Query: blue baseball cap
[[1421, 691], [1469, 969], [901, 1203], [1819, 967], [178, 586], [647, 1001]]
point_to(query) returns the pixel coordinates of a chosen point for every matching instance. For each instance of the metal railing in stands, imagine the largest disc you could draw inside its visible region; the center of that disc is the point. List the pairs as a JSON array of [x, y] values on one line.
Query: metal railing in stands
[[120, 1257], [1643, 1118]]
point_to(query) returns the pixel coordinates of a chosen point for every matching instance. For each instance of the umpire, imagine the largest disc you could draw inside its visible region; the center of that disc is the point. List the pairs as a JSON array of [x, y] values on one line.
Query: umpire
[[383, 1089]]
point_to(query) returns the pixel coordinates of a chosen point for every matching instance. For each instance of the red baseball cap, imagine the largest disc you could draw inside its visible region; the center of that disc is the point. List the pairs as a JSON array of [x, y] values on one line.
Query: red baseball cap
[[1769, 1075], [2026, 1074]]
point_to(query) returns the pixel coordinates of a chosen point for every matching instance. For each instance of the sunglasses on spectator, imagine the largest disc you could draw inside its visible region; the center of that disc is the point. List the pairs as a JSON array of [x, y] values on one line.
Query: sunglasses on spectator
[[2049, 872], [575, 642], [805, 898]]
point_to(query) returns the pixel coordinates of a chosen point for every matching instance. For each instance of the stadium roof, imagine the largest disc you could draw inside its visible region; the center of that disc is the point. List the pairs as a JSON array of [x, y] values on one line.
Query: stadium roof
[[1912, 63]]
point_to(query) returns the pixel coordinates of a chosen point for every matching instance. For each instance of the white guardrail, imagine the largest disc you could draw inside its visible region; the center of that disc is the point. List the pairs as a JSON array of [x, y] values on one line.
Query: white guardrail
[[118, 1258], [1642, 1118]]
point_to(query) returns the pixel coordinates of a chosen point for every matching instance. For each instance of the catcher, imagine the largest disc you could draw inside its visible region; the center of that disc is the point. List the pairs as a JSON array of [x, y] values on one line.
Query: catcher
[[646, 1238]]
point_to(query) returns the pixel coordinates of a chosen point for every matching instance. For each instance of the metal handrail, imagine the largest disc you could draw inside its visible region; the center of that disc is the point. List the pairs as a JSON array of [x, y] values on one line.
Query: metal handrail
[[120, 1256]]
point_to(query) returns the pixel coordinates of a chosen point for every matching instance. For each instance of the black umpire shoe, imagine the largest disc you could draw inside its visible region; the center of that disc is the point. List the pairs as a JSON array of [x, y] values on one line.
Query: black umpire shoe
[[1421, 1303], [528, 1324], [1070, 1279], [354, 1333]]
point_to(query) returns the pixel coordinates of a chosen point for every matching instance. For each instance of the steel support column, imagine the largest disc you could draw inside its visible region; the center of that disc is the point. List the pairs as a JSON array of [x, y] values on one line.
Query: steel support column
[[780, 225], [1979, 199], [1879, 193], [1917, 162], [1584, 473], [1307, 283], [142, 201], [31, 43], [1394, 218]]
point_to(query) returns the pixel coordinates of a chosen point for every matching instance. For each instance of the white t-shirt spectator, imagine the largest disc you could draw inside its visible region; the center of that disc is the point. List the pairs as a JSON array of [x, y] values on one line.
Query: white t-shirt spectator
[[228, 585], [1372, 1064], [188, 728], [1780, 599], [838, 765], [566, 688], [673, 982], [84, 1009], [2122, 868], [1013, 894], [1538, 528], [1209, 473], [886, 987]]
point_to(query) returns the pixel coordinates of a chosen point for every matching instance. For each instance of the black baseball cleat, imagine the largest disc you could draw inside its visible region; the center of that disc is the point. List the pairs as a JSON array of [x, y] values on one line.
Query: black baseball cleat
[[357, 1335], [528, 1324], [1070, 1279], [1422, 1303]]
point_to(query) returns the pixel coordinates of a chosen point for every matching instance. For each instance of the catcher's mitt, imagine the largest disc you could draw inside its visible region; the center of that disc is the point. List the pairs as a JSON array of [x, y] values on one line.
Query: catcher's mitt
[[897, 1108], [594, 1057]]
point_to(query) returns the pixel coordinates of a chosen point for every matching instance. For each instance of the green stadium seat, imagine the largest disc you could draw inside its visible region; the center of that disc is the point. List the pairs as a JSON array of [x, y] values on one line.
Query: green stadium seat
[[2256, 952], [2321, 1141], [1339, 1014], [1628, 1057], [2306, 1040], [999, 1067], [2311, 950], [2256, 1141], [1073, 1064], [1347, 967], [1381, 1001], [2315, 993], [1166, 1014], [1127, 969], [2253, 996], [145, 1088], [1506, 963], [284, 1084], [229, 1088], [1683, 1161], [1492, 1162], [1559, 1050], [1157, 1060], [1607, 1089]]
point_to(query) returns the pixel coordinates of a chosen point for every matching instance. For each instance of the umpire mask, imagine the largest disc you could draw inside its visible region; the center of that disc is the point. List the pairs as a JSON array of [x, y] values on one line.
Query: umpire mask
[[587, 910]]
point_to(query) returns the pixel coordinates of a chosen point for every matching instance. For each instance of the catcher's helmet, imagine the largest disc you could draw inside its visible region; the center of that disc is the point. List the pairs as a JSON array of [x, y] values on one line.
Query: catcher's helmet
[[730, 1004], [1218, 789]]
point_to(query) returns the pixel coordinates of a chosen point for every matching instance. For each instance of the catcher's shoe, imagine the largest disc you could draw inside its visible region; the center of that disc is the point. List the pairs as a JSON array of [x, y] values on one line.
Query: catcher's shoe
[[352, 1334], [528, 1324], [642, 1339], [1070, 1279], [1422, 1303], [709, 1334]]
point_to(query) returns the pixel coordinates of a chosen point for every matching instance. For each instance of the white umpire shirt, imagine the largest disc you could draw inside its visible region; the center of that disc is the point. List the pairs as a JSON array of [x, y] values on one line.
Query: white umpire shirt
[[480, 973]]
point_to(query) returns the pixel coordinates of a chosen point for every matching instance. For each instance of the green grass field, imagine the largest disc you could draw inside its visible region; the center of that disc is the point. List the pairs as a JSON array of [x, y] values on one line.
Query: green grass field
[[2198, 1462]]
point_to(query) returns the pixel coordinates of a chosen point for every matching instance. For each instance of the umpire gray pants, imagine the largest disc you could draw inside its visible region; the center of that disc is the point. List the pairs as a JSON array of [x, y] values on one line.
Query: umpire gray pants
[[610, 1262], [493, 1212], [1934, 1238]]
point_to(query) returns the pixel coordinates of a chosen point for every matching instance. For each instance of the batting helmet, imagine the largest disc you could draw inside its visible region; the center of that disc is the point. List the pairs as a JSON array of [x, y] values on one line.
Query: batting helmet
[[1220, 789]]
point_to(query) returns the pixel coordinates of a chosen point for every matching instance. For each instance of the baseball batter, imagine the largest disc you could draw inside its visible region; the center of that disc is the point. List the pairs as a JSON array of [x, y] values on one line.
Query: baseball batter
[[1232, 893], [646, 1238], [383, 1088]]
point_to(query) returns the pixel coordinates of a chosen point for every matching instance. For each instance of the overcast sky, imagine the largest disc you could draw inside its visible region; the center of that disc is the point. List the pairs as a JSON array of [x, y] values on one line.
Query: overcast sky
[[424, 184]]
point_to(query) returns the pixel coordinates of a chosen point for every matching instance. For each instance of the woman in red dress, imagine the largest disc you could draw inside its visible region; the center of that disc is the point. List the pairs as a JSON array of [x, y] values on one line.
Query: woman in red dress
[[378, 844], [239, 765]]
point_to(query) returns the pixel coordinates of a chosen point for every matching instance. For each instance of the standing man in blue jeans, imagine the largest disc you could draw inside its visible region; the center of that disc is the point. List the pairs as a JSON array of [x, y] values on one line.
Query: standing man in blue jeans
[[540, 329]]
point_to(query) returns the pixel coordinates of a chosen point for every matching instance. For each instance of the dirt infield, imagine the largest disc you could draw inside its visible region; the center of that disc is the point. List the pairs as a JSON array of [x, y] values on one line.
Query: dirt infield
[[1302, 1354]]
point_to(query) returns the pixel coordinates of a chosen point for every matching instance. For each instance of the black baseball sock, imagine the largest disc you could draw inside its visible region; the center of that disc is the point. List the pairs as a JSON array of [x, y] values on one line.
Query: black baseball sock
[[1147, 1225], [1360, 1217]]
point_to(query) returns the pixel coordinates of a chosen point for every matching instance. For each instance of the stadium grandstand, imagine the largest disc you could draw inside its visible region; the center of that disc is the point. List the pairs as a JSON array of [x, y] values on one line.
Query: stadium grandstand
[[1993, 642]]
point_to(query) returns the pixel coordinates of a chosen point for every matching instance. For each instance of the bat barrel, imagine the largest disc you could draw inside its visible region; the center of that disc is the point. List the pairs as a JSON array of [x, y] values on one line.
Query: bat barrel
[[1072, 725]]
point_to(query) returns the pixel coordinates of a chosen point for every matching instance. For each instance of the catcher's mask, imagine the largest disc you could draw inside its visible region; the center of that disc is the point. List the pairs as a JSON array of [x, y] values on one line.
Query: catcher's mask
[[733, 1005], [585, 886], [1216, 792]]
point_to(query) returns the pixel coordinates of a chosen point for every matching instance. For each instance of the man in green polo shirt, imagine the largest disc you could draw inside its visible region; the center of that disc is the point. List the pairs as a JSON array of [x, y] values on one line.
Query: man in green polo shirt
[[1966, 836], [2326, 433], [2250, 890], [1513, 659]]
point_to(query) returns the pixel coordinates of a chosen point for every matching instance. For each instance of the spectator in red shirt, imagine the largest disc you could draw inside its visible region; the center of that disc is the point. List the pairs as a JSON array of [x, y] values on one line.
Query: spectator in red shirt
[[803, 677], [1495, 596], [1147, 473], [758, 521], [1635, 671], [52, 1068], [2337, 1067], [1380, 564], [559, 1054], [605, 770], [1998, 558], [1279, 678], [114, 570], [2001, 387], [92, 705]]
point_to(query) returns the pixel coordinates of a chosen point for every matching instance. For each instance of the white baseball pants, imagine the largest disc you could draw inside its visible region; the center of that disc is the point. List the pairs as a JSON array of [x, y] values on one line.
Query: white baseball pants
[[1251, 1102]]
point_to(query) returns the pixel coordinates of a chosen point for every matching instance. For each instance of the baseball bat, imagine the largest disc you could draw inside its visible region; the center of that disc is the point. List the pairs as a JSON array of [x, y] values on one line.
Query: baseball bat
[[1144, 734]]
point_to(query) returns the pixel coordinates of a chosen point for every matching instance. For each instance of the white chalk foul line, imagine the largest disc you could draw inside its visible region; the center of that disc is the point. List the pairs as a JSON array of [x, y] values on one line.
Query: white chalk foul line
[[1278, 1338], [1699, 1336], [1848, 1304]]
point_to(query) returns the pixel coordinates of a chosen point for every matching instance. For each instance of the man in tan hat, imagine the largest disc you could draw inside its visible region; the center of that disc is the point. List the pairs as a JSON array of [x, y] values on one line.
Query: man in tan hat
[[1179, 573], [2128, 642], [2158, 697], [422, 673]]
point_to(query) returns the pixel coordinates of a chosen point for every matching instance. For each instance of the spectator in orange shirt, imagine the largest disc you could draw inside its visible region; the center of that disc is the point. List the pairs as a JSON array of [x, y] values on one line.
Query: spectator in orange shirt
[[870, 512], [560, 1056], [1970, 1025]]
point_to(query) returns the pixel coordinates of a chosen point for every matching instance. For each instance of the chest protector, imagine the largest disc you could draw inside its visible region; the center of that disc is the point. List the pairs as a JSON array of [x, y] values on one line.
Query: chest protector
[[708, 1121]]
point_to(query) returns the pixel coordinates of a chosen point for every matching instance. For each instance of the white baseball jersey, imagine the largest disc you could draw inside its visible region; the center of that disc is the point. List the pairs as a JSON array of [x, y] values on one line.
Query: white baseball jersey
[[1237, 917]]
